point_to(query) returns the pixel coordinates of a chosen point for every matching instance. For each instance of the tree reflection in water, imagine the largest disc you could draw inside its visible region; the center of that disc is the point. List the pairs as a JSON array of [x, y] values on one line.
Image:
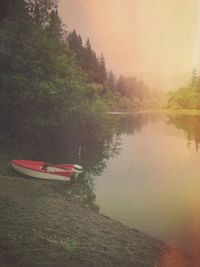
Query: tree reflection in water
[[190, 125], [90, 145]]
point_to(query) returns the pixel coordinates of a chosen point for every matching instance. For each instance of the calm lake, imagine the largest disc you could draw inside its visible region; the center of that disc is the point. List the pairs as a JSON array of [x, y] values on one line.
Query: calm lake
[[142, 170], [154, 182]]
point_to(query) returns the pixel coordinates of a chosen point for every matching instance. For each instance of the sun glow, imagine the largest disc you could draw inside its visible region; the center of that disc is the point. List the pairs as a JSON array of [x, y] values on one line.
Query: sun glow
[[196, 56], [139, 35]]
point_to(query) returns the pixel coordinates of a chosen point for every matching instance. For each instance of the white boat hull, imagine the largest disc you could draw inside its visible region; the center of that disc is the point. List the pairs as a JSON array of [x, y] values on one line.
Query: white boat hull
[[38, 174]]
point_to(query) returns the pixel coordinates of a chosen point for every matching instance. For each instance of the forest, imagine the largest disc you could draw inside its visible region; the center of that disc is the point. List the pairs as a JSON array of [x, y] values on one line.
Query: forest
[[49, 74], [187, 97]]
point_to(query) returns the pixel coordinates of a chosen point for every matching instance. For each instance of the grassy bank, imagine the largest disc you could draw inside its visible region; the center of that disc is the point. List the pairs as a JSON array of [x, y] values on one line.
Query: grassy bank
[[168, 111], [41, 227], [182, 111]]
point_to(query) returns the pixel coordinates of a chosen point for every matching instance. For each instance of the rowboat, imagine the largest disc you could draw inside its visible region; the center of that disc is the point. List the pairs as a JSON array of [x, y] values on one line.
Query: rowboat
[[44, 170]]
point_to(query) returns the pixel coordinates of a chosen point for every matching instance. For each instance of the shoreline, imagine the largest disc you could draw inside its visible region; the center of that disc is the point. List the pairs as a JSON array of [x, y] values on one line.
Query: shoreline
[[167, 111], [41, 227]]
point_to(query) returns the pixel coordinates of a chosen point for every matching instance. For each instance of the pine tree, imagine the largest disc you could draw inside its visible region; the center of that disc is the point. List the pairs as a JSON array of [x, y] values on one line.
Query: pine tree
[[76, 45], [111, 81], [90, 63], [87, 56], [120, 85], [55, 26], [102, 69]]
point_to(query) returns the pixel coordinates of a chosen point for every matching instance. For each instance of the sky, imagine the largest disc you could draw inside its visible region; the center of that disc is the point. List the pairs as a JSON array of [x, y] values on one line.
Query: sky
[[156, 40]]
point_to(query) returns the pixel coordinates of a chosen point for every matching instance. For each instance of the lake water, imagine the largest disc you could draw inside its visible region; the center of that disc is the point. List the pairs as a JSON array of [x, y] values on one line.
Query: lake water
[[154, 182], [142, 170]]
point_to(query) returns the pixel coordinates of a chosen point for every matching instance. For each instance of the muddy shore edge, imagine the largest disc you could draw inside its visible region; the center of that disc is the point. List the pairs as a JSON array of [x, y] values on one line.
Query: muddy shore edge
[[39, 226]]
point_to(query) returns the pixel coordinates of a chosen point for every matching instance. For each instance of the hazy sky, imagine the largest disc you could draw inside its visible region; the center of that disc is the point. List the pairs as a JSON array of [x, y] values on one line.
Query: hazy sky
[[147, 38]]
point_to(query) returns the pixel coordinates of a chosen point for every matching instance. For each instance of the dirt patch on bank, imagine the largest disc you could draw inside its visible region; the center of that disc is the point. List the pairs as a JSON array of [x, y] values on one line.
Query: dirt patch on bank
[[39, 226]]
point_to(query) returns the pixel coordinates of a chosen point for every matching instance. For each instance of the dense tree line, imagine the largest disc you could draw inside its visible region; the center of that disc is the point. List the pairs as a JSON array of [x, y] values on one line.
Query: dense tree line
[[40, 81], [187, 97], [129, 88], [47, 75], [87, 58]]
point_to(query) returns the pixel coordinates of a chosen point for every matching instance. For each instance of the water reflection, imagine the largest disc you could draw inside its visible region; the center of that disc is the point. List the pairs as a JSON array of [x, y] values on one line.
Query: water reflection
[[190, 125], [154, 184], [89, 145], [137, 169], [131, 124]]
